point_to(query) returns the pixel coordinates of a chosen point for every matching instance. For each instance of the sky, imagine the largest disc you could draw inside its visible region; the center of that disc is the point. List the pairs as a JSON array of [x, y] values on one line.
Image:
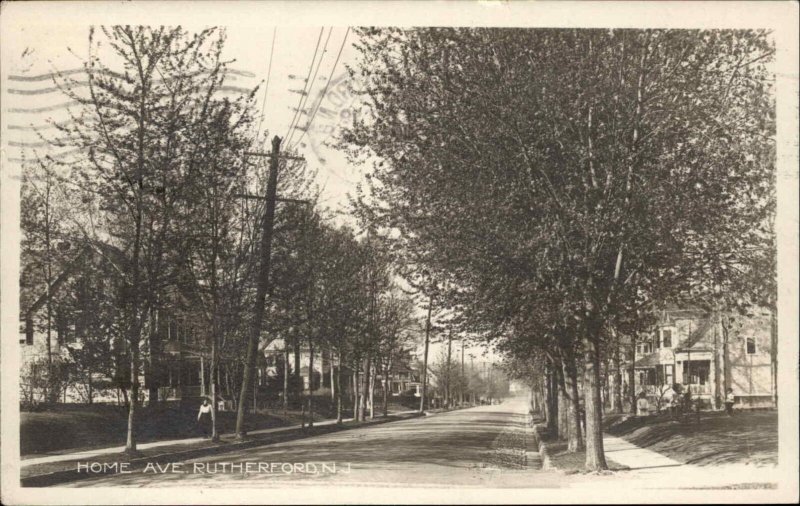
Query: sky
[[280, 69]]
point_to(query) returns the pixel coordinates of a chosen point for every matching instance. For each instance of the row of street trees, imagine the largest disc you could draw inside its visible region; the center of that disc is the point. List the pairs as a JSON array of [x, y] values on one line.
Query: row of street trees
[[562, 184], [159, 218]]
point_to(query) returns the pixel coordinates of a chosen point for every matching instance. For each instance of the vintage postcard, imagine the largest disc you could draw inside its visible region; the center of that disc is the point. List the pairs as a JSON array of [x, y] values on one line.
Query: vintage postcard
[[399, 252]]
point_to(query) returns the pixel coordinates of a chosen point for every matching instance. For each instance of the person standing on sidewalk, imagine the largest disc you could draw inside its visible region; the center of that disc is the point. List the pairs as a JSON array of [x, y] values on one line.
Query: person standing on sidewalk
[[730, 400], [642, 405], [204, 418]]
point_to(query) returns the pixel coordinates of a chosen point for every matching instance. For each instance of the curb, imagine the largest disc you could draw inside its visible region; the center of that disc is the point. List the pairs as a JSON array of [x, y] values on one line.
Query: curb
[[547, 464], [438, 411], [70, 475], [533, 459]]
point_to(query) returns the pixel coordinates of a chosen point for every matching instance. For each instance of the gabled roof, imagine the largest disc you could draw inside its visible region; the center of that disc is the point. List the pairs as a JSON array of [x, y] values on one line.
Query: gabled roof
[[105, 251], [62, 277], [694, 341]]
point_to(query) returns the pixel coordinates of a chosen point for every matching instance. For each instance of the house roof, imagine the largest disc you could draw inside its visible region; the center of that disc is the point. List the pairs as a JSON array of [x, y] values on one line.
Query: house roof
[[669, 315], [647, 361], [106, 251], [694, 341], [62, 277]]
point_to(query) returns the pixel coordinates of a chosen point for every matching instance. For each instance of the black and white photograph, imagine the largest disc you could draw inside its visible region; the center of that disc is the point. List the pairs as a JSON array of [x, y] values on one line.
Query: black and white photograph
[[402, 252]]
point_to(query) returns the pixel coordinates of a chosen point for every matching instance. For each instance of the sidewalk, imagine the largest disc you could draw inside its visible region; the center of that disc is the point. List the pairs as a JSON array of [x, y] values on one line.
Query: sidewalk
[[634, 457], [31, 461], [51, 469], [650, 469]]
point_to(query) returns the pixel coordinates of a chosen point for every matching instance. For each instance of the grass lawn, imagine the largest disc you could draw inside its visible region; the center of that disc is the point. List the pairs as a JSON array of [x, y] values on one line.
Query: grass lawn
[[71, 427], [746, 437], [569, 462]]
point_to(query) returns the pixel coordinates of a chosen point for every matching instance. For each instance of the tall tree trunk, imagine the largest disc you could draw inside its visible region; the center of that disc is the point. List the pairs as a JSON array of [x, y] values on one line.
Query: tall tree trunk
[[366, 389], [285, 378], [717, 377], [632, 376], [425, 356], [358, 406], [726, 359], [595, 456], [354, 394], [214, 376], [130, 443], [563, 414], [49, 281], [574, 438], [297, 388], [447, 399], [371, 392], [551, 393], [563, 408], [310, 382], [339, 392], [386, 387], [616, 399], [89, 386], [773, 355], [333, 382]]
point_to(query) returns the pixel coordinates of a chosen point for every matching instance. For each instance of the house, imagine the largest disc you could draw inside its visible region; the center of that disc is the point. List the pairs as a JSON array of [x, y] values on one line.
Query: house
[[274, 354], [174, 358], [707, 353], [403, 379]]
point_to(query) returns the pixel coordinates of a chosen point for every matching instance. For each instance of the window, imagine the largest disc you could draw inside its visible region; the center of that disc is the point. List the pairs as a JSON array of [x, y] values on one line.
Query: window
[[750, 345], [666, 338], [669, 375], [702, 372], [62, 328], [29, 331], [696, 372]]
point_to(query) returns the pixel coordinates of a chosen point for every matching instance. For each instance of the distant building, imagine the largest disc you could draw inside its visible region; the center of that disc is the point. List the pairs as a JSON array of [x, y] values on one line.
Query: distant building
[[692, 348], [403, 378], [175, 359]]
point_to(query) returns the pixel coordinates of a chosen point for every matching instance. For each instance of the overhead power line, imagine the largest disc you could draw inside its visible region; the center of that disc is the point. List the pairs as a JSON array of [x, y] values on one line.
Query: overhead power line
[[324, 90], [266, 86], [310, 86], [310, 68]]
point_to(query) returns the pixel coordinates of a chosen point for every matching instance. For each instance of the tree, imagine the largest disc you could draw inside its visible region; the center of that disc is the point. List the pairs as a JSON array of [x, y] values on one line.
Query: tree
[[215, 239], [585, 164], [45, 247], [139, 131]]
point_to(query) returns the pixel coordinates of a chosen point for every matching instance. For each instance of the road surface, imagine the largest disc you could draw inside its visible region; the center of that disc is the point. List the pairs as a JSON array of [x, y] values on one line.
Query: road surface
[[481, 446]]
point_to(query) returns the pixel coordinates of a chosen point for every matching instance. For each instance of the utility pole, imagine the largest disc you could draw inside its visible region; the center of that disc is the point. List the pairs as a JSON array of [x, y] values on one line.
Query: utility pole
[[463, 378], [425, 357], [263, 283], [472, 377], [447, 393], [491, 389]]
